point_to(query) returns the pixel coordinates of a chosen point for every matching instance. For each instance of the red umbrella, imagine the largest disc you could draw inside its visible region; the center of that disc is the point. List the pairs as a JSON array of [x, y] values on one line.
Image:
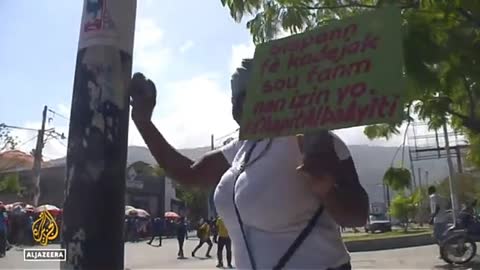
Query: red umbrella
[[171, 215]]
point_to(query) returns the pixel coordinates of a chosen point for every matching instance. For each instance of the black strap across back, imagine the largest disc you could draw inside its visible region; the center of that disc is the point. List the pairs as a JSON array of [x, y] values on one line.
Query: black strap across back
[[300, 238]]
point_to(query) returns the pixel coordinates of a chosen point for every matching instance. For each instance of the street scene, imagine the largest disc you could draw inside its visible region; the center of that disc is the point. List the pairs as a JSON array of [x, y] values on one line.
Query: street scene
[[142, 256], [240, 134]]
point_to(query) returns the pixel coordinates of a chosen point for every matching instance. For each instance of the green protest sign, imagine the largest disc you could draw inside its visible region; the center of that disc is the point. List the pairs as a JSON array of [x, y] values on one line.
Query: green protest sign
[[348, 73]]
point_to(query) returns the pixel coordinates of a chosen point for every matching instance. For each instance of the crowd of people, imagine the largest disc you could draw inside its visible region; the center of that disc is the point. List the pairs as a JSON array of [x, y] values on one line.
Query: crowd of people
[[16, 227], [155, 229]]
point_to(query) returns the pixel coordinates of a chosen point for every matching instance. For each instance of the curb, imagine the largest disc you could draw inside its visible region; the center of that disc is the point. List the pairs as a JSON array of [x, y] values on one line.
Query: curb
[[390, 243]]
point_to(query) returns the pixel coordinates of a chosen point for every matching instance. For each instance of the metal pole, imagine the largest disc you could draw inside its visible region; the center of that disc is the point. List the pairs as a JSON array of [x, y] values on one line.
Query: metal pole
[[420, 177], [211, 203], [37, 159], [451, 174], [94, 208], [412, 168], [212, 142], [459, 158], [426, 179]]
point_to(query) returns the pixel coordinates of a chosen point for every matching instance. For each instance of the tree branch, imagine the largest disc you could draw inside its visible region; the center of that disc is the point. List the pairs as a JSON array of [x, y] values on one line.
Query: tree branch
[[457, 114], [335, 7], [470, 96], [350, 5]]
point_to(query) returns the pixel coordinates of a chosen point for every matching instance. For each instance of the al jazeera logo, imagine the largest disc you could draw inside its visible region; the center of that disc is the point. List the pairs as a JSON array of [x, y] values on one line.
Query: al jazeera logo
[[45, 230]]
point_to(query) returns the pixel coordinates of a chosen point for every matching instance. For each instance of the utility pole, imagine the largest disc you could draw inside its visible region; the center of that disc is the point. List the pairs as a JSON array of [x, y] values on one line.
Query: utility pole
[[212, 142], [420, 177], [94, 208], [459, 158], [37, 159], [426, 178], [211, 202], [451, 173], [412, 168]]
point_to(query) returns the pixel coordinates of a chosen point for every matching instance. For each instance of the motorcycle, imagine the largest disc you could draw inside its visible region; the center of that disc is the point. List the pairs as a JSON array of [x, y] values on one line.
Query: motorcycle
[[458, 245]]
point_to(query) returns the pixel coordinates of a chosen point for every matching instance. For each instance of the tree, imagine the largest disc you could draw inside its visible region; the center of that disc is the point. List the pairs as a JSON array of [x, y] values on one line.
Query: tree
[[7, 140], [10, 183], [467, 188], [403, 208], [195, 200], [422, 205], [158, 171], [397, 178], [441, 43]]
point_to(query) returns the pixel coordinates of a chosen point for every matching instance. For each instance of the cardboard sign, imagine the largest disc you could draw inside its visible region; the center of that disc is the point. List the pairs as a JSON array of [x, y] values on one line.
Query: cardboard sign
[[348, 73]]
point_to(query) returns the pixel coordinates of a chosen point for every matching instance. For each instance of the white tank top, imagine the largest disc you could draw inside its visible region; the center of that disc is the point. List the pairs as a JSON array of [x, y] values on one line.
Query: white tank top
[[275, 203]]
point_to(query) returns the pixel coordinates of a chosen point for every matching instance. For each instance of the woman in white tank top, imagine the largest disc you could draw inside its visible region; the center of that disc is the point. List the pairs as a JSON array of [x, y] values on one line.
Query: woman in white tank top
[[281, 204]]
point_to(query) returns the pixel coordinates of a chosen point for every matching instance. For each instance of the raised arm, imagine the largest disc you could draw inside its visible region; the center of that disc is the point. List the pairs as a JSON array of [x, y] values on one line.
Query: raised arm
[[204, 173], [335, 179]]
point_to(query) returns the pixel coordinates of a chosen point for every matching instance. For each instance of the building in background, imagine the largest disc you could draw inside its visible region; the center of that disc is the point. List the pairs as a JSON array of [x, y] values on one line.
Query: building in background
[[144, 189]]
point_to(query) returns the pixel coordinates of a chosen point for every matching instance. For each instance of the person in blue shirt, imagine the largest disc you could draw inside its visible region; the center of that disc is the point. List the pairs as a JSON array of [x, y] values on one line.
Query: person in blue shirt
[[157, 231], [181, 232], [3, 231]]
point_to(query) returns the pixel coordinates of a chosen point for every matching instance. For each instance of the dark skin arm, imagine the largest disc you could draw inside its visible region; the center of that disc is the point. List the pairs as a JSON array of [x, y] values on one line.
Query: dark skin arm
[[339, 189], [206, 172]]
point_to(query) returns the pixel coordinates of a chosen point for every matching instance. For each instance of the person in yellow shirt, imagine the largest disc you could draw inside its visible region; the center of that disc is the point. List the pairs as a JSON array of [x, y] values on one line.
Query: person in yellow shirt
[[223, 241], [203, 234]]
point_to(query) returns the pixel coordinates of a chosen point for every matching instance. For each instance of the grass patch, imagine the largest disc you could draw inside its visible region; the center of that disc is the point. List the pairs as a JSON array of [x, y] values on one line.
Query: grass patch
[[392, 234]]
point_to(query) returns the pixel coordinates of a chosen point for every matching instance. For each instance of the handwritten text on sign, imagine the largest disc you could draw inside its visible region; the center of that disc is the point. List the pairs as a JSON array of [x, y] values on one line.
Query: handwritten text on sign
[[346, 74]]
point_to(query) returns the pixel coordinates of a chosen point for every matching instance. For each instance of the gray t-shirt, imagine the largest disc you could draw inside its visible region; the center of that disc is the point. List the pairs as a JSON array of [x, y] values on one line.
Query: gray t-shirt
[[441, 202]]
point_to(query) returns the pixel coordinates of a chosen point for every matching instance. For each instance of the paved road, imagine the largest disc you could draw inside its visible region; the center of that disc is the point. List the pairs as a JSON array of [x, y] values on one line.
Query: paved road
[[142, 256]]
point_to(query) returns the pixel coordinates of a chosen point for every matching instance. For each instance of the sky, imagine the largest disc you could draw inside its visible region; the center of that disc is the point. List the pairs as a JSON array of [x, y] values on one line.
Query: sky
[[188, 48]]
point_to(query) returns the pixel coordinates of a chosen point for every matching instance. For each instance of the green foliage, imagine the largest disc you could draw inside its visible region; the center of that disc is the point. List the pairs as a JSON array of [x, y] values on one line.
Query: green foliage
[[7, 140], [10, 183], [403, 208], [467, 188], [397, 178], [422, 205], [195, 200], [380, 131], [441, 44], [158, 171], [142, 168]]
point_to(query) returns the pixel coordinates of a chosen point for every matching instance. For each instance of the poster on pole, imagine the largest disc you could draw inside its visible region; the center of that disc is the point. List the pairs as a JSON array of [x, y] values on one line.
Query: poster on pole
[[345, 74], [108, 23]]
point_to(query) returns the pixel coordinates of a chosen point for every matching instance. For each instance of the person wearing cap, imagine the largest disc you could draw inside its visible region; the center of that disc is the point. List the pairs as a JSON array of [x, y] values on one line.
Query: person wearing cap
[[282, 199]]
